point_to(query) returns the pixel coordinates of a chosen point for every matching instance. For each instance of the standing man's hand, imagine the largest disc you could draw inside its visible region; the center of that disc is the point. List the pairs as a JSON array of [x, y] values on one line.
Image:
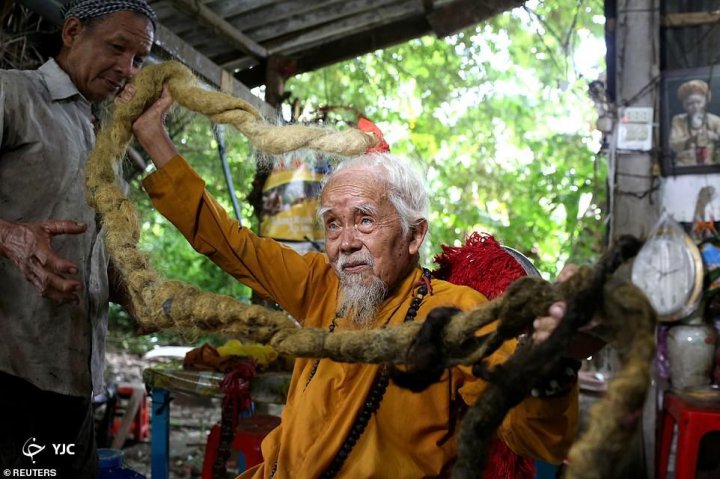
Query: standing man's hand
[[29, 247]]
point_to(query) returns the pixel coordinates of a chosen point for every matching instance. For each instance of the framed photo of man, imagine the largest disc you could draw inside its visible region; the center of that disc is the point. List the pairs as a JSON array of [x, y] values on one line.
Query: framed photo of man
[[690, 121]]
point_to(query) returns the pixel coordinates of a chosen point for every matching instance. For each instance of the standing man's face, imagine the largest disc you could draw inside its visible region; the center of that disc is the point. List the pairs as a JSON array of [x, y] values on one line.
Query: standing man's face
[[102, 57], [695, 103]]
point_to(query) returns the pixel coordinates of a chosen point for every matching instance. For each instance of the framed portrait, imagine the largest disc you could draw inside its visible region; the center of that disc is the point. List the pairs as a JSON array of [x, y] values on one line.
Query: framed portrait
[[690, 121]]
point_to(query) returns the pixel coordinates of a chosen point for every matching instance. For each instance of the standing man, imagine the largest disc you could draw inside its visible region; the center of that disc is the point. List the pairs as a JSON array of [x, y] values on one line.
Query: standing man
[[349, 420], [53, 267]]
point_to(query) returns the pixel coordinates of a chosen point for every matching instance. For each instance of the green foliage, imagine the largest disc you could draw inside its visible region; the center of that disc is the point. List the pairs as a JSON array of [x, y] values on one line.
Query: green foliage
[[498, 118]]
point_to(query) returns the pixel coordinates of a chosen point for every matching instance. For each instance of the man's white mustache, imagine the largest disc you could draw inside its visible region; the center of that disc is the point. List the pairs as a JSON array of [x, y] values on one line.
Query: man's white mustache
[[353, 259]]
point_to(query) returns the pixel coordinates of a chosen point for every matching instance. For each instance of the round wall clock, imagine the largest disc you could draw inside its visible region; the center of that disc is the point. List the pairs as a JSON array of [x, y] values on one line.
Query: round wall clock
[[669, 270]]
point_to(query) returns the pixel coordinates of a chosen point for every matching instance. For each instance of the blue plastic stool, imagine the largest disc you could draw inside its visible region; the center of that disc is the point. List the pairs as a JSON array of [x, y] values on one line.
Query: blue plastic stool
[[111, 466]]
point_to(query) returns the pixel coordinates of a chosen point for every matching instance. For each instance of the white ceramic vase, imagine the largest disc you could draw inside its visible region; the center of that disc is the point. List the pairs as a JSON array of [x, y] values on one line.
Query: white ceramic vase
[[691, 352]]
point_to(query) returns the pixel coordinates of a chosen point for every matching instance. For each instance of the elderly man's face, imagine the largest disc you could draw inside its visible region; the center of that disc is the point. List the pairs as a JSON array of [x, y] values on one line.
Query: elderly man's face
[[102, 57], [695, 103], [364, 238]]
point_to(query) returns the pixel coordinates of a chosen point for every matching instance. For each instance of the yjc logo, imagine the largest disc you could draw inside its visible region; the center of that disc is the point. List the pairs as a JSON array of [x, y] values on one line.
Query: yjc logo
[[30, 449], [62, 449]]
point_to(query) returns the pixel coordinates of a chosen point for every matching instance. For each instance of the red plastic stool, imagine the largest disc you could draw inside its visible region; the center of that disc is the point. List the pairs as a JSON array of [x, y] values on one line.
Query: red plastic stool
[[139, 429], [694, 419], [249, 435]]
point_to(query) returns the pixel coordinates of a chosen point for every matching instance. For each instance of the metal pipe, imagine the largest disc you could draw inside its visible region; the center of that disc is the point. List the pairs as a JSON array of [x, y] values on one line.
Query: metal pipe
[[218, 132]]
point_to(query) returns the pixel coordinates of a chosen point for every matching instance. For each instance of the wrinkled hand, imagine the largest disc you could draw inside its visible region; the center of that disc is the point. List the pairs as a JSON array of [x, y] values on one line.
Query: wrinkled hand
[[154, 117], [29, 247], [544, 326], [582, 344], [149, 128]]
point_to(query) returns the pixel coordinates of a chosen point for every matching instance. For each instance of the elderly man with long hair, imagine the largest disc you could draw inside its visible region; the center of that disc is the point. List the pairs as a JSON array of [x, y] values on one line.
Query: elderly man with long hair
[[349, 420]]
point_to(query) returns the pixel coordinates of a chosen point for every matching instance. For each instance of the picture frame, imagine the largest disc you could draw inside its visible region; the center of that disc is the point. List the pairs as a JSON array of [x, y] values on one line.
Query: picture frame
[[690, 131]]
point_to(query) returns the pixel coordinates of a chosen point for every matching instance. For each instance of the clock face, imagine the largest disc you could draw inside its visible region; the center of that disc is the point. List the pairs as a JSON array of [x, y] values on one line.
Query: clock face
[[665, 270]]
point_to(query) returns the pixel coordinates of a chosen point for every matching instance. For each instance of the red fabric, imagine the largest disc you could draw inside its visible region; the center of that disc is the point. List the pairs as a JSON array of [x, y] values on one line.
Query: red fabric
[[483, 265], [503, 463], [480, 263], [366, 125], [236, 387]]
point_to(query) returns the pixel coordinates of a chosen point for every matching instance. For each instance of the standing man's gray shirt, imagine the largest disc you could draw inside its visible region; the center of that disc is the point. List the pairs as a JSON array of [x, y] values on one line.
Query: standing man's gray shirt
[[46, 134]]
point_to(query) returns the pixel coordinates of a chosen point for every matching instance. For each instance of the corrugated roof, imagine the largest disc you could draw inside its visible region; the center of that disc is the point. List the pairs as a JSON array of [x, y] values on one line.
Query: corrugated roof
[[242, 35]]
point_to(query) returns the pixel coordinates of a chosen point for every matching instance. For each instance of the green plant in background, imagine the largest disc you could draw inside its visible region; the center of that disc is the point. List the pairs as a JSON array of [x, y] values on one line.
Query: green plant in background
[[497, 116]]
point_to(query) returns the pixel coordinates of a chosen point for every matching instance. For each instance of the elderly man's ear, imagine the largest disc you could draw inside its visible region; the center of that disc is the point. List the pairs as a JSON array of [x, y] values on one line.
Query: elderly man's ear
[[70, 31], [417, 236]]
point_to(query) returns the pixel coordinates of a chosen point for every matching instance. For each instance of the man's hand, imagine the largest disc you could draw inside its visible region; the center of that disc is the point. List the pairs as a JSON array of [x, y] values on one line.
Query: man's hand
[[29, 247], [544, 326], [149, 128], [582, 345]]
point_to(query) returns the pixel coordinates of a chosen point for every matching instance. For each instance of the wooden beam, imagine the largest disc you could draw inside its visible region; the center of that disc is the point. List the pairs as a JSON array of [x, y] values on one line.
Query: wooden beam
[[314, 18], [277, 11], [691, 19], [344, 48], [239, 63], [298, 23], [428, 5], [224, 29], [336, 31], [455, 16], [275, 74], [229, 8], [211, 72]]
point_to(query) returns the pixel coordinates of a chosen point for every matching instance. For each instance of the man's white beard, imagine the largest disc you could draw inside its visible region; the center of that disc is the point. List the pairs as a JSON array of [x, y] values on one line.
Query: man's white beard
[[358, 301]]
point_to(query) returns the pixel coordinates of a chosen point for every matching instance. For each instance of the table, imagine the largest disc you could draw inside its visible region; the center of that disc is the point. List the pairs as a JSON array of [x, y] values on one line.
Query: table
[[265, 388]]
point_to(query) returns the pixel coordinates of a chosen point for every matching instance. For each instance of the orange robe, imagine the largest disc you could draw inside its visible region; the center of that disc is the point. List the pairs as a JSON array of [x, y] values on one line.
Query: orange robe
[[411, 435]]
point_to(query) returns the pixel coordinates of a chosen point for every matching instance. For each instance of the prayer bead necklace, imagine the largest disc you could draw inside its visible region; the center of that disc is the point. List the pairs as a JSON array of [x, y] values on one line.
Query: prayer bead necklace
[[377, 390]]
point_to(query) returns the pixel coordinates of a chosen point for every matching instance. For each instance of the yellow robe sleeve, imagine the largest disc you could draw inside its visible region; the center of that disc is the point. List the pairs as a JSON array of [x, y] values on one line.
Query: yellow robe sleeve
[[180, 195]]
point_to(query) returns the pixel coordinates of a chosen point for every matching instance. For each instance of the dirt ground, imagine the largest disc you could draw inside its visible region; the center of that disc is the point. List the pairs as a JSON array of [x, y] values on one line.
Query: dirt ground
[[190, 421]]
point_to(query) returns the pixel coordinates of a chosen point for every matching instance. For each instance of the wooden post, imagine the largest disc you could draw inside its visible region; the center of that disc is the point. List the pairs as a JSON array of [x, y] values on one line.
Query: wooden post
[[634, 179], [633, 176], [275, 74]]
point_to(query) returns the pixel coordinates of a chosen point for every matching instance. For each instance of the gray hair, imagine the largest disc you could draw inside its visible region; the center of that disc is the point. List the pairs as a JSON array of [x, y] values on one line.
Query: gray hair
[[406, 188], [85, 10]]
